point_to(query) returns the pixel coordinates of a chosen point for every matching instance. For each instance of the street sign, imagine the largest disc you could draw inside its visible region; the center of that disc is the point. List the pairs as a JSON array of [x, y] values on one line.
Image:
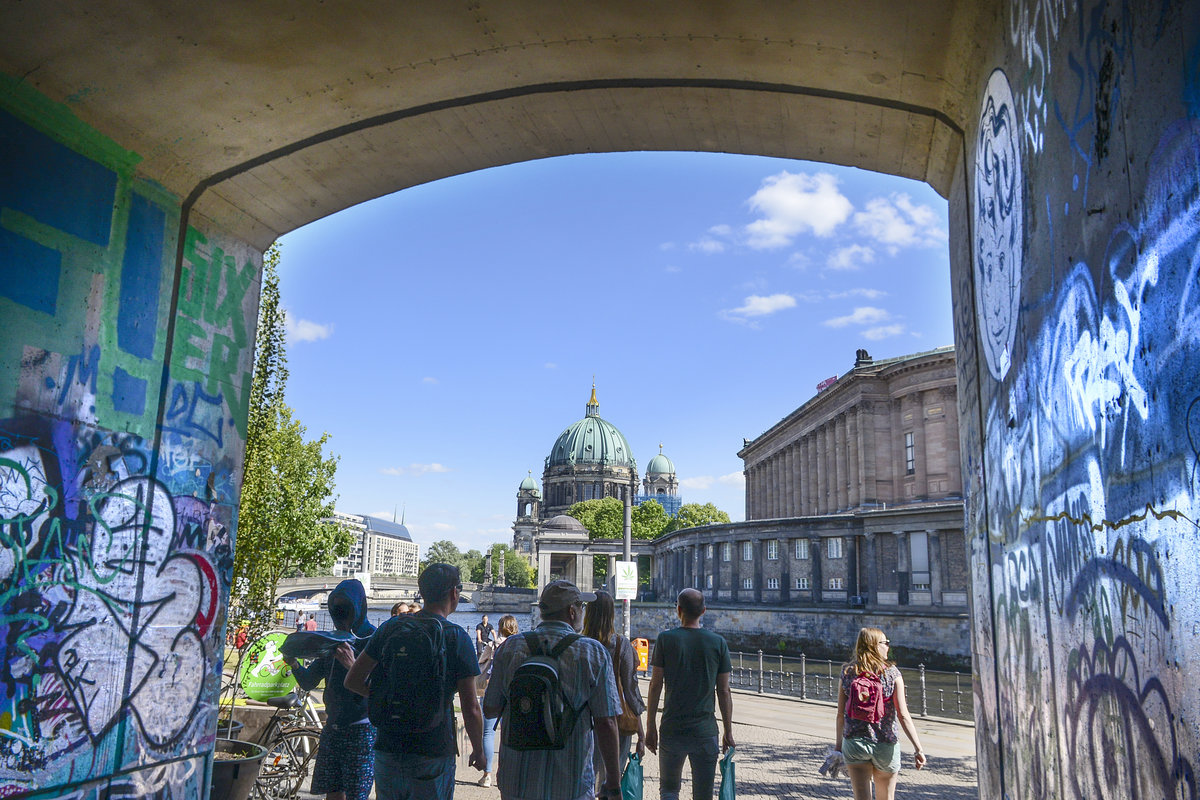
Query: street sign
[[627, 580], [263, 673]]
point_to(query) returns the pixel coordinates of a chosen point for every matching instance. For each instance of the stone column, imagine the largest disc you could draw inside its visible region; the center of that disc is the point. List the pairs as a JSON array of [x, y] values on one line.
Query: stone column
[[871, 560], [921, 456], [868, 455], [803, 478], [814, 475], [543, 562], [776, 485], [935, 566], [839, 464], [853, 470], [749, 491], [822, 472], [903, 568], [584, 574], [797, 478], [831, 467]]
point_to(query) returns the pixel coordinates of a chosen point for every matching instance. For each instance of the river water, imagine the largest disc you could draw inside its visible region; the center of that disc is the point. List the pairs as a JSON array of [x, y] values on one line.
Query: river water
[[466, 616]]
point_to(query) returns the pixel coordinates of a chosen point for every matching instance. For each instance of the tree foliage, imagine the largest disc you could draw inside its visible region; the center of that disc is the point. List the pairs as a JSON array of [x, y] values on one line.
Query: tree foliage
[[693, 515], [288, 483], [604, 519], [445, 551], [649, 520]]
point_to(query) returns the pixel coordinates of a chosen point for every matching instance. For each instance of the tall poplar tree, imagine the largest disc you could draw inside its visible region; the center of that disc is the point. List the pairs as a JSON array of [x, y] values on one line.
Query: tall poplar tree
[[287, 484]]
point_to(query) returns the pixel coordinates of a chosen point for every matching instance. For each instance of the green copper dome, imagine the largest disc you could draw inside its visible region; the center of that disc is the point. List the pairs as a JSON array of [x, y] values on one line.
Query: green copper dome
[[591, 440], [660, 465], [529, 484]]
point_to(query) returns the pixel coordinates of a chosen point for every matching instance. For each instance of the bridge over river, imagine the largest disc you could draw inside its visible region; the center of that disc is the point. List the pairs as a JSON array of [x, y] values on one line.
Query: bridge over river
[[394, 588]]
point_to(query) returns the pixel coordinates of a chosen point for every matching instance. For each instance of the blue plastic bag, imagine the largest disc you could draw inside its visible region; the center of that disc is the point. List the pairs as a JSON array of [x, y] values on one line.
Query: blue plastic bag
[[728, 790], [631, 779]]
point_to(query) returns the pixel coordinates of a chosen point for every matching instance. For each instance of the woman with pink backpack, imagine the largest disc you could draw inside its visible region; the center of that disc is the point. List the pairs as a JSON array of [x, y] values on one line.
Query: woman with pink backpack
[[870, 702]]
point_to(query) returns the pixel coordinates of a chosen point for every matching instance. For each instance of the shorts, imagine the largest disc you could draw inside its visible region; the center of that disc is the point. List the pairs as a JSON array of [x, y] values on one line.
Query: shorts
[[884, 756]]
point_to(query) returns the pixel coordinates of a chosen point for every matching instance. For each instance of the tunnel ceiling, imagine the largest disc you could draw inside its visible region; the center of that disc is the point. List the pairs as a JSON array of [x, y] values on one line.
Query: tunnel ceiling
[[273, 114]]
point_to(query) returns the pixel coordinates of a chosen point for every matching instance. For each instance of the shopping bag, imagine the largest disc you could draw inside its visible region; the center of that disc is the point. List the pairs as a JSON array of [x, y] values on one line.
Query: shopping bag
[[728, 791], [631, 779]]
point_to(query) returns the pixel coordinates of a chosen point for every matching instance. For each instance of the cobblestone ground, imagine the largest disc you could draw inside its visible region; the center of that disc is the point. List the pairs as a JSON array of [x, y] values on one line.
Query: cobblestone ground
[[781, 743]]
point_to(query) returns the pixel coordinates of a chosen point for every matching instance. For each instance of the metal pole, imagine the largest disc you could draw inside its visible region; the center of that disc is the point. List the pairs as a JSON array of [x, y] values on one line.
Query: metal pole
[[760, 672], [924, 701], [628, 534], [803, 677]]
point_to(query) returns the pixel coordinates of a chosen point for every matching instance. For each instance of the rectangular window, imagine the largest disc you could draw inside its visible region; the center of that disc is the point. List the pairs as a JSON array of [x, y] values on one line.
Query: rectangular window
[[918, 550], [910, 454], [726, 551], [747, 551], [772, 583], [802, 549], [772, 550], [708, 581], [836, 583], [834, 547], [801, 583], [747, 583]]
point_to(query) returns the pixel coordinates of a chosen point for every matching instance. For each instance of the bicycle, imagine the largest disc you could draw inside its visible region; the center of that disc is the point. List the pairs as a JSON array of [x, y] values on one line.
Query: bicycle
[[291, 737]]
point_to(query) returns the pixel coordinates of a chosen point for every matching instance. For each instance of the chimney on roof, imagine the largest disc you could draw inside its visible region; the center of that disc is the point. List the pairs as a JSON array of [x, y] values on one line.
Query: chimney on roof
[[862, 358]]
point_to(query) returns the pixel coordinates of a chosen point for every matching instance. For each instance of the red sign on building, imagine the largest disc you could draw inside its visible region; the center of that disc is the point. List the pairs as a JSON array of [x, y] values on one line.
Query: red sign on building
[[825, 384]]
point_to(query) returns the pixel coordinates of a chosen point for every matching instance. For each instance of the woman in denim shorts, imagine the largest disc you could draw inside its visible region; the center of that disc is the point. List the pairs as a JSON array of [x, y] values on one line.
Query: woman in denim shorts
[[871, 749]]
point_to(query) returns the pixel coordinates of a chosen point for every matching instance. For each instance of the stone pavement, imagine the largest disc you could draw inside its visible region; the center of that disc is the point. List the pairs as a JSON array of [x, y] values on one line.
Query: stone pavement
[[781, 743]]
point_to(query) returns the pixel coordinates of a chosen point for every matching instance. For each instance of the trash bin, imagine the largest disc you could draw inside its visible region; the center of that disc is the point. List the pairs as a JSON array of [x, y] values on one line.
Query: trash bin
[[642, 646], [235, 769]]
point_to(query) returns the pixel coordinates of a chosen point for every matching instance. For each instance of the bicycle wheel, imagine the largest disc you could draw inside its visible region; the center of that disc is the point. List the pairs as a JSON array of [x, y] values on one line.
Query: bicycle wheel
[[288, 765]]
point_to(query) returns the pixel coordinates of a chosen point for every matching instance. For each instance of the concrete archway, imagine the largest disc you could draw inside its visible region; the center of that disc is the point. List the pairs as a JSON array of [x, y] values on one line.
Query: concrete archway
[[149, 155]]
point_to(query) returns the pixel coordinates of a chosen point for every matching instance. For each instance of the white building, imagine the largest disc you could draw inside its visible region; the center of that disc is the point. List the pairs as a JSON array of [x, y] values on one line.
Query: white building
[[380, 547]]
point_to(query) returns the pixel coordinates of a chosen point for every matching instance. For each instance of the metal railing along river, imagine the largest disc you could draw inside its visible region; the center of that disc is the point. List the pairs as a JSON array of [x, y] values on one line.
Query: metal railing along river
[[929, 692]]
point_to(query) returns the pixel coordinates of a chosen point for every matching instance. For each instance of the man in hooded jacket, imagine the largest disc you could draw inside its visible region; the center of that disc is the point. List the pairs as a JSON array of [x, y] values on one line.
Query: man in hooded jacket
[[345, 766]]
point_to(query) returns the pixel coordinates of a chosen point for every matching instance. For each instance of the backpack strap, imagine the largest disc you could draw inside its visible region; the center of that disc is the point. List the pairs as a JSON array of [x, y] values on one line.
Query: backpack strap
[[563, 644], [537, 647]]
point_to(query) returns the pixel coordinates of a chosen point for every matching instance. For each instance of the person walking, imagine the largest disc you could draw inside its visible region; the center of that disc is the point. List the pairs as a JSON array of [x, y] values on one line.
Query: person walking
[[508, 627], [414, 759], [692, 664], [345, 765], [585, 679], [870, 702], [311, 623], [598, 624]]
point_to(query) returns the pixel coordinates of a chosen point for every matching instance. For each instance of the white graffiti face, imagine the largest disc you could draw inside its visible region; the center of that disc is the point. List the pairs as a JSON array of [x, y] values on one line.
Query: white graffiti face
[[999, 224]]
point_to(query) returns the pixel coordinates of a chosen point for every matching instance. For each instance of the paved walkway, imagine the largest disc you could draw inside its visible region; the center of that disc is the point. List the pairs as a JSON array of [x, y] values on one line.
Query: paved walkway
[[781, 743]]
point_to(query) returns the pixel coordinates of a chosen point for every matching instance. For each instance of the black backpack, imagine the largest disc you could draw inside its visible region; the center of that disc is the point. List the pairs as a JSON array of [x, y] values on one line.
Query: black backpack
[[409, 694], [539, 717]]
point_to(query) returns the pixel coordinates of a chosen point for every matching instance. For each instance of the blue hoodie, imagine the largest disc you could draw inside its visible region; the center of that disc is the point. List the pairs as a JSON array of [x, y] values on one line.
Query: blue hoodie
[[342, 706]]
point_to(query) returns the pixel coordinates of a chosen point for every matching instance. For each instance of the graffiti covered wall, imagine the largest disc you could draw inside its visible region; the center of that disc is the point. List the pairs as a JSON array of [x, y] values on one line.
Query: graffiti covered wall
[[119, 466], [1078, 324]]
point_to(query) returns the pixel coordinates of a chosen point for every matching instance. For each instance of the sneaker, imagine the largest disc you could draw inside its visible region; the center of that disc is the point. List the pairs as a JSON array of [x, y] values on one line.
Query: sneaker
[[486, 780]]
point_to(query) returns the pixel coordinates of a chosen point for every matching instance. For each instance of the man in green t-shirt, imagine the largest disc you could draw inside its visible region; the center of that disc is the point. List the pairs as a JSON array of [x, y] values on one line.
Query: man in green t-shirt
[[693, 663]]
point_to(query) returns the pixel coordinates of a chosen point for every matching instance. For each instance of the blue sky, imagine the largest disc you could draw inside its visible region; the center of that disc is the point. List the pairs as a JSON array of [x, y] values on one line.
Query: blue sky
[[446, 334]]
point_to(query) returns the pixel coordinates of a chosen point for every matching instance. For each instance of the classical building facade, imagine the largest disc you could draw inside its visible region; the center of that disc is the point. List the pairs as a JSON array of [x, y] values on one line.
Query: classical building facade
[[380, 547], [853, 499]]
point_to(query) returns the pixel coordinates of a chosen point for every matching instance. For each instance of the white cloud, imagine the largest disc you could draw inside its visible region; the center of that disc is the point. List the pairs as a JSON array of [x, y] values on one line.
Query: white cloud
[[863, 315], [665, 246], [870, 294], [895, 221], [428, 379], [721, 230], [761, 306], [850, 257], [550, 365], [415, 469], [883, 332], [799, 260], [792, 204], [305, 330], [704, 482], [707, 245]]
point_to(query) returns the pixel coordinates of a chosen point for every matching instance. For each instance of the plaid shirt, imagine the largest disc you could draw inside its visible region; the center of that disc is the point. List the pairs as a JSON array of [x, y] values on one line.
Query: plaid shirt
[[586, 676]]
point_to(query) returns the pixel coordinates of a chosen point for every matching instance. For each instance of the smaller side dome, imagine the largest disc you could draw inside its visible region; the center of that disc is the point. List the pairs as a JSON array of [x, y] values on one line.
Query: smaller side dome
[[660, 465], [564, 525], [529, 484]]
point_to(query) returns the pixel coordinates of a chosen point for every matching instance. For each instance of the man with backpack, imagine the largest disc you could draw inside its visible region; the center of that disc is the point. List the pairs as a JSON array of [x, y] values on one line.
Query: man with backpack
[[409, 673], [558, 697], [692, 663]]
